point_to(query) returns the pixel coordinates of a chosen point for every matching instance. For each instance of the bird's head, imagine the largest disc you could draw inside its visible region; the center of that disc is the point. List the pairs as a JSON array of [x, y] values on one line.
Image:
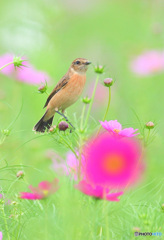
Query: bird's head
[[80, 65]]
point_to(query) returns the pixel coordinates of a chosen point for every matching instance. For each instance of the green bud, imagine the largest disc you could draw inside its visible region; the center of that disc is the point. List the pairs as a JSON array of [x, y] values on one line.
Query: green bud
[[17, 61], [162, 206], [5, 132], [99, 69], [86, 100], [42, 88]]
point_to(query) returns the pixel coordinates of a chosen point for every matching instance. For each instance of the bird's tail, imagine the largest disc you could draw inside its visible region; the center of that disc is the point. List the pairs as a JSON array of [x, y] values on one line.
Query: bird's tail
[[42, 125]]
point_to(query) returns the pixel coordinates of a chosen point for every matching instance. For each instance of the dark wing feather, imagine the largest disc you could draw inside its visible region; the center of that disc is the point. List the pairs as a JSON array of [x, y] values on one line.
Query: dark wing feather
[[62, 83]]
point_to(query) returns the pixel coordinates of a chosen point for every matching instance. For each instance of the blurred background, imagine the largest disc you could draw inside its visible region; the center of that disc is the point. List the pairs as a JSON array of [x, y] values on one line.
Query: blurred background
[[51, 34]]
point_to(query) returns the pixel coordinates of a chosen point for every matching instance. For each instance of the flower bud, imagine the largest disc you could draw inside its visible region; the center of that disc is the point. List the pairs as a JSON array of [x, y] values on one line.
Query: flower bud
[[99, 69], [42, 88], [149, 125], [17, 61], [86, 100], [5, 132], [52, 129], [108, 82], [63, 126], [162, 206], [20, 174]]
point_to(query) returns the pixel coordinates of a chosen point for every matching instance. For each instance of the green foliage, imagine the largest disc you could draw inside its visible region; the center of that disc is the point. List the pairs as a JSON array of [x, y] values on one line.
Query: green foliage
[[51, 34]]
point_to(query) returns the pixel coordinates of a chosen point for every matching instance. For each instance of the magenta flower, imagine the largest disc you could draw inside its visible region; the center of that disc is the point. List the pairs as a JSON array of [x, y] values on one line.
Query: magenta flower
[[115, 127], [97, 191], [1, 236], [148, 63], [26, 73], [43, 190], [112, 162]]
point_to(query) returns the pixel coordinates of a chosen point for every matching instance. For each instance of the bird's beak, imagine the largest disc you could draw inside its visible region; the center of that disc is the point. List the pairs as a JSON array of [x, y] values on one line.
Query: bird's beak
[[87, 63]]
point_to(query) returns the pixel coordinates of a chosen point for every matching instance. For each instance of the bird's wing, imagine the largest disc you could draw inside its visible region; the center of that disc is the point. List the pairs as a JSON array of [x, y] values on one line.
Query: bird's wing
[[61, 84]]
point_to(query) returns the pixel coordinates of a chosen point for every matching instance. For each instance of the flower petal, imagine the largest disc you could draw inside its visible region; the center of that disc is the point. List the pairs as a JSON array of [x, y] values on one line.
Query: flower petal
[[114, 196], [111, 125], [30, 196], [128, 132]]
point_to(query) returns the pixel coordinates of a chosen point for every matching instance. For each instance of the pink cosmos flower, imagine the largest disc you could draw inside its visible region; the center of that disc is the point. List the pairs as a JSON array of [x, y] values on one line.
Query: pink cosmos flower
[[43, 190], [112, 162], [68, 167], [115, 127], [1, 236], [148, 63], [97, 191], [73, 164], [27, 73]]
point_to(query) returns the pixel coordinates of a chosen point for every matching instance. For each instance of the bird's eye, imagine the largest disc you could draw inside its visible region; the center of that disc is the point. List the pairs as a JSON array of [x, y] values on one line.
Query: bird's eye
[[77, 62]]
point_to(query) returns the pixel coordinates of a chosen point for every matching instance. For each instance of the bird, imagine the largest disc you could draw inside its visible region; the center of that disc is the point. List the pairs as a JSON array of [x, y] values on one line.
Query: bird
[[66, 92]]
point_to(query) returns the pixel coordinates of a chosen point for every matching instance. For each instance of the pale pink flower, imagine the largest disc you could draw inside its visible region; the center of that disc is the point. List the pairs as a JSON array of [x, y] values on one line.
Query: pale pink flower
[[115, 127], [97, 191], [73, 164], [6, 201], [43, 190], [58, 163], [112, 162], [27, 73], [1, 236], [67, 167], [148, 63], [101, 94]]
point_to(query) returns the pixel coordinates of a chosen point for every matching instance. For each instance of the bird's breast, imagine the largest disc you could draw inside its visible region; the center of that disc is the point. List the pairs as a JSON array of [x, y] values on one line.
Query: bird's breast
[[70, 93]]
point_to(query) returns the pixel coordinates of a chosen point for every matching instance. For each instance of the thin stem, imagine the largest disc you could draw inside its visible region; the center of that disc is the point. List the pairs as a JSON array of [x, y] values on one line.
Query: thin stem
[[105, 213], [6, 65], [108, 105], [146, 143], [82, 117], [5, 222], [106, 113], [91, 103], [68, 145], [80, 159]]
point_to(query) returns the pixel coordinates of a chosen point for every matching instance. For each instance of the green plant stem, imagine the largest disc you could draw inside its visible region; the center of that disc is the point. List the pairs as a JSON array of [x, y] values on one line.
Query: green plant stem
[[68, 145], [106, 113], [148, 137], [91, 103], [82, 117], [105, 213], [5, 222], [79, 158], [6, 65], [109, 99]]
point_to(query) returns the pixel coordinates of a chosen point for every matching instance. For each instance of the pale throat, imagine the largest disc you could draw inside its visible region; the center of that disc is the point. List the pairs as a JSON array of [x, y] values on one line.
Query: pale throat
[[80, 72]]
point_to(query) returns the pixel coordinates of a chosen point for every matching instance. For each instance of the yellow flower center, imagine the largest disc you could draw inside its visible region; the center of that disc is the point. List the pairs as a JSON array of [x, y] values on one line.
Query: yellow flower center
[[45, 192], [113, 163], [116, 130]]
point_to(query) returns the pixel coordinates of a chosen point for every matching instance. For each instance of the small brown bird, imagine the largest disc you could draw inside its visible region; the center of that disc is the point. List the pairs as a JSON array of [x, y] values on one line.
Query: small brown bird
[[66, 92]]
